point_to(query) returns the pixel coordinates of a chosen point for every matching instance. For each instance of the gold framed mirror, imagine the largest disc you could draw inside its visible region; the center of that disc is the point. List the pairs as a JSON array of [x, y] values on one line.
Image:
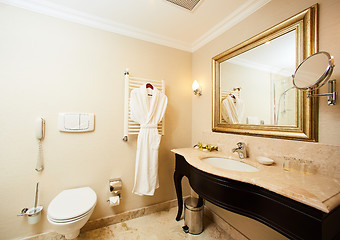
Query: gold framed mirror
[[253, 92]]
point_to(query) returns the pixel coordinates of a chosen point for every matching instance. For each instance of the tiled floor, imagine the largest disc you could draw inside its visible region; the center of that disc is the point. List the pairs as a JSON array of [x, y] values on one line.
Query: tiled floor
[[157, 226]]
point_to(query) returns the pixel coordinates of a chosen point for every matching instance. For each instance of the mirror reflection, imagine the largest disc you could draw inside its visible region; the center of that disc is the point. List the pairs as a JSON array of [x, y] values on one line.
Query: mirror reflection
[[313, 70], [253, 92], [256, 86]]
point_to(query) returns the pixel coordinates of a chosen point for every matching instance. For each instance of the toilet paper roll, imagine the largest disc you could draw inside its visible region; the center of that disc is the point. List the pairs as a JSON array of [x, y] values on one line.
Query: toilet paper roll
[[114, 201]]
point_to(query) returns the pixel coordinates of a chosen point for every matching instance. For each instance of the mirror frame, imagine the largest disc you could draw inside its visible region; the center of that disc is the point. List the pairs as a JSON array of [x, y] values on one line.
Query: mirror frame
[[305, 23]]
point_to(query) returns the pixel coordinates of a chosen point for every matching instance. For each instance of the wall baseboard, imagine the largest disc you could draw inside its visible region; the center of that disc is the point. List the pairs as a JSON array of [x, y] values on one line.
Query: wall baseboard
[[118, 218], [122, 217], [136, 213]]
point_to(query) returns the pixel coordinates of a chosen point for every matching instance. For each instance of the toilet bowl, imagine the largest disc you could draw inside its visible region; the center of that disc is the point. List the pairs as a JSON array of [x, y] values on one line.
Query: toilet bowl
[[70, 210]]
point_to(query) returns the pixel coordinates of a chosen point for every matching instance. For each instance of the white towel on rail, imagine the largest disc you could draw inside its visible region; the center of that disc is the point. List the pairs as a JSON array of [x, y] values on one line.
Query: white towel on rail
[[148, 111]]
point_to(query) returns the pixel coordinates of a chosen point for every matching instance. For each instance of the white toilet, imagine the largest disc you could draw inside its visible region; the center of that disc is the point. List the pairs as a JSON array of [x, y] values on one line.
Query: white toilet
[[70, 210]]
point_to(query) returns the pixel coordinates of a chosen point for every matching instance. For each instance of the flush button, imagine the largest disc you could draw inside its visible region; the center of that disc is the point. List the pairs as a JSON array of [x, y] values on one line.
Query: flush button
[[71, 121], [84, 121]]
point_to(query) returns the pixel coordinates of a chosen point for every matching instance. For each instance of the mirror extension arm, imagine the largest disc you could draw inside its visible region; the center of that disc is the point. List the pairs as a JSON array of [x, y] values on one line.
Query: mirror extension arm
[[331, 93]]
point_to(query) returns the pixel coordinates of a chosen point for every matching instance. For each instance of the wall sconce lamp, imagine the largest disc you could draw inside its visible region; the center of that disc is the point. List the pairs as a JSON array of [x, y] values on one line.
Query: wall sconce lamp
[[196, 88]]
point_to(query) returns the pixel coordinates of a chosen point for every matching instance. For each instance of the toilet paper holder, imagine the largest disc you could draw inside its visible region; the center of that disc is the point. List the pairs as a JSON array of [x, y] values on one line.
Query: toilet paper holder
[[115, 185]]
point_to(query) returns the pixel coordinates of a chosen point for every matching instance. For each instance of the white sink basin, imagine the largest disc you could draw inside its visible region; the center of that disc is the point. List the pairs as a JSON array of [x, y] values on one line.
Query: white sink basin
[[230, 164]]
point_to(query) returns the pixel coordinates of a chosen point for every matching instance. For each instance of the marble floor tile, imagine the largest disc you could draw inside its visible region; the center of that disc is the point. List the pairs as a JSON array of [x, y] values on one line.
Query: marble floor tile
[[157, 226]]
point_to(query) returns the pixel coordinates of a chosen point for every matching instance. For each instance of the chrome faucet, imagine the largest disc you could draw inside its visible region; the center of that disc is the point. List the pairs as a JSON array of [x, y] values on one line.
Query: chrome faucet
[[241, 150]]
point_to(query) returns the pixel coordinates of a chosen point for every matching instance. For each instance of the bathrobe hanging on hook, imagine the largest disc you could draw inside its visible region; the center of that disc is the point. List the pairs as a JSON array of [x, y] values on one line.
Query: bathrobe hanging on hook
[[147, 108]]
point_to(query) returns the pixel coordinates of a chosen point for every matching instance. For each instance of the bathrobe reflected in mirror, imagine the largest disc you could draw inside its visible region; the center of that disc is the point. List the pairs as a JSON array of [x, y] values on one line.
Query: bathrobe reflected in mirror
[[147, 108]]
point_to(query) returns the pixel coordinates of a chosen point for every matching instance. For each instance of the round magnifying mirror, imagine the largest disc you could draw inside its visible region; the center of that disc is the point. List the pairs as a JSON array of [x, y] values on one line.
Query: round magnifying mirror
[[314, 70]]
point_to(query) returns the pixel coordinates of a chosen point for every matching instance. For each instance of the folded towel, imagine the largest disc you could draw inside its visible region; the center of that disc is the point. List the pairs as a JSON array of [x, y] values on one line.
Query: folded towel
[[253, 120]]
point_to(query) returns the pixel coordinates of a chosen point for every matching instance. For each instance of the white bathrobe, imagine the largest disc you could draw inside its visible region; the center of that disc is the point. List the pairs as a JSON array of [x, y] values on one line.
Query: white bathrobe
[[148, 111]]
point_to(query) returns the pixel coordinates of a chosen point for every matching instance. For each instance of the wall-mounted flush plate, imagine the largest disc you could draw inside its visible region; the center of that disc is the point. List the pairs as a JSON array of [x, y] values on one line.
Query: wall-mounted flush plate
[[76, 122]]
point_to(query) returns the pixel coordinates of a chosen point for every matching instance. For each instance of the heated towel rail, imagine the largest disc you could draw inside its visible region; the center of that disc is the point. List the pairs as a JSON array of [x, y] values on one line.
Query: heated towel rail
[[235, 92], [130, 126]]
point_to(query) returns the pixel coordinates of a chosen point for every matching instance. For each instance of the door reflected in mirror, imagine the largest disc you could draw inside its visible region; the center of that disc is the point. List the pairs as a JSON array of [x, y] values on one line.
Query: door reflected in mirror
[[256, 86]]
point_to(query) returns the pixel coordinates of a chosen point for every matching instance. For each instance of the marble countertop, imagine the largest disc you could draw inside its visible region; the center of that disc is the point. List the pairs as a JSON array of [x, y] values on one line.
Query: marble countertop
[[318, 191]]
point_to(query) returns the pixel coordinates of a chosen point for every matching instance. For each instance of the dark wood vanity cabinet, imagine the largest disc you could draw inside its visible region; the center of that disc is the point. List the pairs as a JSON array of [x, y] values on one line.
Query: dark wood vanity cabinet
[[293, 219]]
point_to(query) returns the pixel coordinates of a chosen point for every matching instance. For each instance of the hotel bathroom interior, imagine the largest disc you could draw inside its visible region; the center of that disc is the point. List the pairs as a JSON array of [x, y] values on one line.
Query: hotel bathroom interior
[[169, 119]]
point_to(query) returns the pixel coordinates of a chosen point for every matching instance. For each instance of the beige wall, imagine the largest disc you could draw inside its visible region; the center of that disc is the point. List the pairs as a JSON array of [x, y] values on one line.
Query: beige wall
[[329, 126], [50, 66], [259, 88]]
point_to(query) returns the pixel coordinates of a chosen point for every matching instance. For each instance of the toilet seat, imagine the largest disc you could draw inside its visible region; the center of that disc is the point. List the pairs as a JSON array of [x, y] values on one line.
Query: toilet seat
[[71, 219], [71, 205]]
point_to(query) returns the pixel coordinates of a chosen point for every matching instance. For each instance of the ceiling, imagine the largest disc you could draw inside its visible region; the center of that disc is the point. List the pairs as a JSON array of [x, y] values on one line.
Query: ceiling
[[157, 21]]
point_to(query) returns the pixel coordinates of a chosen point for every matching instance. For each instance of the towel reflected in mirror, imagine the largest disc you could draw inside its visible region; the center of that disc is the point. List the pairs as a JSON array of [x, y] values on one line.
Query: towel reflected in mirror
[[232, 109]]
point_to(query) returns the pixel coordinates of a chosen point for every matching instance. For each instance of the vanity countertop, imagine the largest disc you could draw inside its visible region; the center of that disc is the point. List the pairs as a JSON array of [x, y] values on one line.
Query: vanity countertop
[[318, 191]]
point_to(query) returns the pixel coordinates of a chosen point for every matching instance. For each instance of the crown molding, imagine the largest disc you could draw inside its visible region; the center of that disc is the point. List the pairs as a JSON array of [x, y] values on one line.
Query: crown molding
[[54, 10], [285, 72], [234, 18]]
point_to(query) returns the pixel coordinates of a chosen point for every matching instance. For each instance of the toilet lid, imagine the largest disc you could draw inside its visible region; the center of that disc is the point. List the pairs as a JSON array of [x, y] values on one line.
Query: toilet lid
[[72, 203]]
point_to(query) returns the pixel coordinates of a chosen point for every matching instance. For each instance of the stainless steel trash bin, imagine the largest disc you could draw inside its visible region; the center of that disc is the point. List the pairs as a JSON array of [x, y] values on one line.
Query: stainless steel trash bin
[[193, 216]]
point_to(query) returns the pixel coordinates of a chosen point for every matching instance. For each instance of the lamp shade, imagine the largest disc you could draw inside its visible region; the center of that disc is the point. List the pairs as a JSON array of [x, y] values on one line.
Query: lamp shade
[[195, 85]]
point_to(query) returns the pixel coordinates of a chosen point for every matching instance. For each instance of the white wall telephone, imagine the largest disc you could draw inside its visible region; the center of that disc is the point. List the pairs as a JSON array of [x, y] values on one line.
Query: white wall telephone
[[40, 134], [40, 128]]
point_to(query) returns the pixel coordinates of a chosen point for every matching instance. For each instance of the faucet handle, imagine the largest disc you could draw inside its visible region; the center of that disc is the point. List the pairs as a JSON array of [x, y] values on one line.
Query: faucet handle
[[241, 150]]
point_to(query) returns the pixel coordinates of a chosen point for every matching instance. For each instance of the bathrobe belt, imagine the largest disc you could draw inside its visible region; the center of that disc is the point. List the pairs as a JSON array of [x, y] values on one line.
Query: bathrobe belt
[[148, 125]]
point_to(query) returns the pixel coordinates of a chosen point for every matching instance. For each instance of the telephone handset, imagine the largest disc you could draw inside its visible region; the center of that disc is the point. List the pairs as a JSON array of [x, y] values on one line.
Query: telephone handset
[[40, 128], [40, 134]]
